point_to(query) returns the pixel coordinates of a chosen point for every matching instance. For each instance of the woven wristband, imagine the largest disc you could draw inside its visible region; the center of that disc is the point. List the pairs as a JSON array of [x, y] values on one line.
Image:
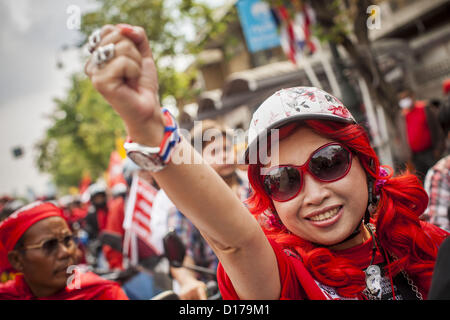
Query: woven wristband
[[171, 137]]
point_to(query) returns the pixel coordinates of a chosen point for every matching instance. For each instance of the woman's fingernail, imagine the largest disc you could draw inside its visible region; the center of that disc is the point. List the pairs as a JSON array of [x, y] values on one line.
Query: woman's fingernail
[[125, 27]]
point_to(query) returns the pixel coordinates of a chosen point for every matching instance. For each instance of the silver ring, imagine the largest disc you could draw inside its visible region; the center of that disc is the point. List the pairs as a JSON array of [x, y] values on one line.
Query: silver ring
[[104, 54], [93, 40]]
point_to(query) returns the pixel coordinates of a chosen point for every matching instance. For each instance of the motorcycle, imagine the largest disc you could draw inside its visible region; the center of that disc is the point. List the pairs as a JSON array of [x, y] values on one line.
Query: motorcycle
[[175, 252], [142, 281], [158, 266]]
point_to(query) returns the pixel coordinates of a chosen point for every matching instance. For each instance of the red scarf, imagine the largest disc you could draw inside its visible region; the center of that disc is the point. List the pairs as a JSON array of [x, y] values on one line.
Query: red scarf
[[92, 287]]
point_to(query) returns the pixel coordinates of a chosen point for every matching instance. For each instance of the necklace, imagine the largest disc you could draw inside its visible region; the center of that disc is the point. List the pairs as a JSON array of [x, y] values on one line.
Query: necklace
[[411, 283], [373, 272]]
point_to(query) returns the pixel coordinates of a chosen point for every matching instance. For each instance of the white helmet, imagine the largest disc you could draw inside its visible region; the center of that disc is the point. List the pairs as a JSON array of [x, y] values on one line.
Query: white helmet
[[97, 188], [293, 104], [118, 189]]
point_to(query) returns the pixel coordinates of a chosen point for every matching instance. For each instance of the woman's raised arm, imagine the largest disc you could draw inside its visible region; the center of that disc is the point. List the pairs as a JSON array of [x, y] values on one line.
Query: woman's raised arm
[[128, 81]]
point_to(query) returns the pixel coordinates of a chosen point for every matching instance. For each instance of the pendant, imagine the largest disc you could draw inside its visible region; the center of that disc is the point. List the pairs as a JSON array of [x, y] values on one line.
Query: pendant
[[373, 280]]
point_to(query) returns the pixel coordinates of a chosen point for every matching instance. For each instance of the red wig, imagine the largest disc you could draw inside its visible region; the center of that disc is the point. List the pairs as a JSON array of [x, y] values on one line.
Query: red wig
[[402, 200]]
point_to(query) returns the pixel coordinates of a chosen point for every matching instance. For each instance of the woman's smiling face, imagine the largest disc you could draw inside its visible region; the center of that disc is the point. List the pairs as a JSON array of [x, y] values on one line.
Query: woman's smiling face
[[323, 212]]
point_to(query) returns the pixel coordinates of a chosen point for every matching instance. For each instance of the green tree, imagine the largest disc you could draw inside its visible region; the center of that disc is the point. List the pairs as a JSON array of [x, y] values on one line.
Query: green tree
[[343, 22], [83, 135], [171, 26], [337, 22], [84, 127]]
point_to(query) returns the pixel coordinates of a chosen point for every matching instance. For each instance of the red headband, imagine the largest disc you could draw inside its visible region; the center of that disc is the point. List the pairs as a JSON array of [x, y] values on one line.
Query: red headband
[[13, 227]]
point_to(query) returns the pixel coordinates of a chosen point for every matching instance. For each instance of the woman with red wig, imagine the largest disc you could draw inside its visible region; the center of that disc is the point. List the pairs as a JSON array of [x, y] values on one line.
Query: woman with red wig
[[337, 225], [37, 242]]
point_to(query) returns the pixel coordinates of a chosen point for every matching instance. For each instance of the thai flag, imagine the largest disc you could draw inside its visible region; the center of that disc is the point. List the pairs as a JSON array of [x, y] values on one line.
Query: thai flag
[[138, 214], [295, 34]]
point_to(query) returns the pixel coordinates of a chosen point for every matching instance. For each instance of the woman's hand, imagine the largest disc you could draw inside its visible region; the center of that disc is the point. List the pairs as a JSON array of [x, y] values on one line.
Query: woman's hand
[[129, 82], [193, 289]]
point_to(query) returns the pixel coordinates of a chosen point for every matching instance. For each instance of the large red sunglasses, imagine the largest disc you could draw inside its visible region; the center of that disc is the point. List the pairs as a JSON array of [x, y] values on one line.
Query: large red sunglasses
[[328, 163]]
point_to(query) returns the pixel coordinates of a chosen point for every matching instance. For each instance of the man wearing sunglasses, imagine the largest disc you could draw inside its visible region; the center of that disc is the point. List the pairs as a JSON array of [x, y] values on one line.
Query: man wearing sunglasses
[[41, 247], [340, 226]]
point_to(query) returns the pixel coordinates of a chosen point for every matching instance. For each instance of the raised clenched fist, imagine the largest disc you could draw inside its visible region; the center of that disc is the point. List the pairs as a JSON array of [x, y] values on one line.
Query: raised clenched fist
[[122, 69]]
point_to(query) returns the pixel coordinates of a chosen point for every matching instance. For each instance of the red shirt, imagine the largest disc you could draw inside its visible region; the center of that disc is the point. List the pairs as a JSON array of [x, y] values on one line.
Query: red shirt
[[296, 281], [92, 287], [116, 215], [419, 135], [114, 224], [102, 215]]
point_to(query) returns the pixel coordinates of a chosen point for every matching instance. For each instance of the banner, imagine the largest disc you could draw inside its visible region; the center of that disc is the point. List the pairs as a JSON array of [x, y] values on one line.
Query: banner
[[136, 224], [114, 173], [259, 27], [84, 183]]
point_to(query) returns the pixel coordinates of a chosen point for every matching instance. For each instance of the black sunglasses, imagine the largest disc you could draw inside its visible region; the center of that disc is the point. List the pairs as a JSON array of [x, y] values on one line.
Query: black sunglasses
[[50, 246]]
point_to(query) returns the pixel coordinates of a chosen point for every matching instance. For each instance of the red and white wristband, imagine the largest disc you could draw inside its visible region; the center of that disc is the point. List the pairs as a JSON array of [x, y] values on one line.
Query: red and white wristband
[[160, 156], [171, 136]]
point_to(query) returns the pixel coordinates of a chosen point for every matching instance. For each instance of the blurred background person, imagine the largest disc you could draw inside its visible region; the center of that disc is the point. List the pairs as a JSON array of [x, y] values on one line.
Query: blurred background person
[[41, 247], [437, 180], [3, 200], [218, 153], [424, 135], [444, 114], [144, 283], [9, 206], [94, 223], [114, 226], [73, 210]]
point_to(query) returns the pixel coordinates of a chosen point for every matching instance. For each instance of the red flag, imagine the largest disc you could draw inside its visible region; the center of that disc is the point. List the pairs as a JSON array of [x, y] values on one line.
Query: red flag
[[115, 167], [84, 183]]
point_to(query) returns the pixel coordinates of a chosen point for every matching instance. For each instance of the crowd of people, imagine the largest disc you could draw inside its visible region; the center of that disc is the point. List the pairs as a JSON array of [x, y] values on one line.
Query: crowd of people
[[316, 215], [96, 221]]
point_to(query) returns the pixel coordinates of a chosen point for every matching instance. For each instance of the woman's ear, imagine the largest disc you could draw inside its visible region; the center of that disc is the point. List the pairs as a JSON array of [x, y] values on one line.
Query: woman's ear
[[16, 260]]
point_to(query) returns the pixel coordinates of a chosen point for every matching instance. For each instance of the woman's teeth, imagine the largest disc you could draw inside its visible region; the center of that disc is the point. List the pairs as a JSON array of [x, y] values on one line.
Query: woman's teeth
[[326, 215]]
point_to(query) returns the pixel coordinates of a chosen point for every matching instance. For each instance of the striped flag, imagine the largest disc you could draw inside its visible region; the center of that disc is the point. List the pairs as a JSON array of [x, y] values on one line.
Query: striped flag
[[138, 212], [295, 34], [289, 42]]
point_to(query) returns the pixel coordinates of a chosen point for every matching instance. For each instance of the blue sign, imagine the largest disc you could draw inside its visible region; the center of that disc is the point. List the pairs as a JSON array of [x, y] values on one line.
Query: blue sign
[[258, 24]]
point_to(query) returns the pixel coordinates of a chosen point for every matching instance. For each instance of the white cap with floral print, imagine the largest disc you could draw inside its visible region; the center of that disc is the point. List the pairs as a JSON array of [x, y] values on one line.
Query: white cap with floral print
[[294, 104]]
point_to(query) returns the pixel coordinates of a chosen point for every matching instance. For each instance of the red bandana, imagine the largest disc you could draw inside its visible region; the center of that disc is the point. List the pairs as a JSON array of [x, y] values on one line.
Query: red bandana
[[13, 227]]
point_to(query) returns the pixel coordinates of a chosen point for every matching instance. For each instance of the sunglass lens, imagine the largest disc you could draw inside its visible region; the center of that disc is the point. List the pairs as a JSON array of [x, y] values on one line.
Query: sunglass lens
[[282, 183], [50, 246], [69, 241], [330, 163]]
